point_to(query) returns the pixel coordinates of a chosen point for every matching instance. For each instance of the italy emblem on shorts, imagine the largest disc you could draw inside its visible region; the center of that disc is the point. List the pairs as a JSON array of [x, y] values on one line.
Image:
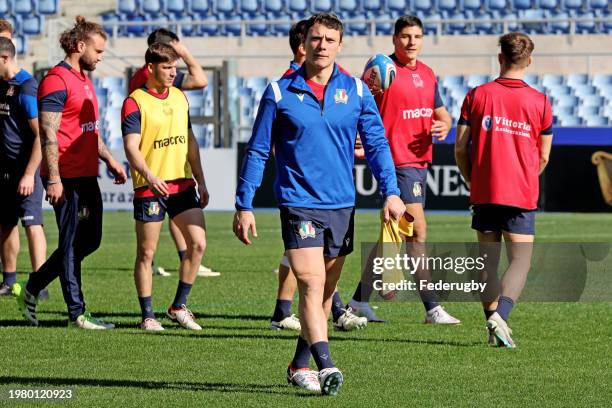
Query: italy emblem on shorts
[[10, 91], [306, 230], [341, 96], [417, 190], [83, 213], [153, 209]]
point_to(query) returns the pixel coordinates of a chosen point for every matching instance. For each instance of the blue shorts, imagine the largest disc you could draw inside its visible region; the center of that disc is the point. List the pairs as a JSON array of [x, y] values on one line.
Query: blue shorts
[[154, 209], [412, 183], [313, 228], [14, 207], [494, 218]]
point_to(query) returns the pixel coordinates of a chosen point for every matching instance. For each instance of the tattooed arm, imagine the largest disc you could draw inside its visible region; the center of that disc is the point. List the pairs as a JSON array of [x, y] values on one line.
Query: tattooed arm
[[49, 125]]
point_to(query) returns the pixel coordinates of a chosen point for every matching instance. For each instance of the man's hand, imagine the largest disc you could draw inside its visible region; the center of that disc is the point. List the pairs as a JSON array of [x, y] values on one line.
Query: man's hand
[[393, 208], [180, 48], [117, 170], [55, 192], [158, 186], [439, 130], [244, 221], [203, 193], [26, 185]]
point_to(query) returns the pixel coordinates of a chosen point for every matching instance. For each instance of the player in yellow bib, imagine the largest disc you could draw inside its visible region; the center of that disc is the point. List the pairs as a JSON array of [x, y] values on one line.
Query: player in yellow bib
[[168, 178]]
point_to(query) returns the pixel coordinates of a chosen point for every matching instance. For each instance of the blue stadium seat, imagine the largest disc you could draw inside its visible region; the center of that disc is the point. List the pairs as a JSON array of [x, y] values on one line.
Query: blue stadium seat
[[234, 27], [258, 29], [559, 90], [187, 29], [322, 6], [592, 100], [584, 89], [570, 121], [178, 7], [356, 28], [477, 79], [208, 29], [577, 79], [522, 4], [512, 20], [497, 5], [21, 44], [24, 7], [200, 7], [282, 29], [563, 111], [249, 8], [549, 4], [5, 7], [448, 6], [424, 6], [129, 7], [472, 5], [298, 6], [599, 5], [451, 81], [152, 7], [384, 28], [397, 7], [584, 111], [273, 7], [372, 6], [534, 27], [601, 80], [552, 79], [586, 27], [595, 121], [483, 26], [33, 24], [347, 7], [565, 100], [560, 27], [573, 5], [457, 26], [532, 79], [48, 7], [225, 6]]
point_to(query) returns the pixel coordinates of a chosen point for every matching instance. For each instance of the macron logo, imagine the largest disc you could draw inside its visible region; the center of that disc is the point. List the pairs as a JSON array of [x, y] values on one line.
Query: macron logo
[[417, 113], [300, 96]]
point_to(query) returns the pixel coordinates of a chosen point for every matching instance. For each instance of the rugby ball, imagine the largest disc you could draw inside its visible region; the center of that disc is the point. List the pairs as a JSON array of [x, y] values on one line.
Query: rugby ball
[[379, 72]]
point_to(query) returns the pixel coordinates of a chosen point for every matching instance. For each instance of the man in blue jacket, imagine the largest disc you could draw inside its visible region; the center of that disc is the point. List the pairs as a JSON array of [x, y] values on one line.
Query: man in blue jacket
[[312, 116]]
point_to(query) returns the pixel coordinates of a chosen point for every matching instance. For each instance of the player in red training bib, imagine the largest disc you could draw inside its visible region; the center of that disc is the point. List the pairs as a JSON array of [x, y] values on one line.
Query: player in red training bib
[[413, 114], [71, 146], [509, 126]]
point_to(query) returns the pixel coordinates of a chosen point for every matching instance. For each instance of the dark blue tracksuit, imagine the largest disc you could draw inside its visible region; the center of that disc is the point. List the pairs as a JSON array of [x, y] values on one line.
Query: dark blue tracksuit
[[79, 220]]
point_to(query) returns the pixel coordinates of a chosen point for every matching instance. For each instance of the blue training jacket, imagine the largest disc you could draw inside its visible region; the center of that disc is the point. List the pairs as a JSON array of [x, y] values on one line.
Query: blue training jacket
[[314, 143]]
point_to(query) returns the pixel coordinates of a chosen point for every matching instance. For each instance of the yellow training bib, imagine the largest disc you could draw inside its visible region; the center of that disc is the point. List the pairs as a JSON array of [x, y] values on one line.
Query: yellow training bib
[[164, 137]]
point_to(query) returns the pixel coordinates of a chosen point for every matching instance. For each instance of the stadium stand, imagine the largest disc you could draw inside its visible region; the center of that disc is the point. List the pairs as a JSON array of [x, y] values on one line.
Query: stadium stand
[[27, 18], [450, 17], [578, 100]]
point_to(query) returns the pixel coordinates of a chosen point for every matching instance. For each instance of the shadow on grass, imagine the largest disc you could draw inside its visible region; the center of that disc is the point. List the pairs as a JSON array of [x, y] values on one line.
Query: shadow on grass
[[152, 385], [293, 336], [103, 314]]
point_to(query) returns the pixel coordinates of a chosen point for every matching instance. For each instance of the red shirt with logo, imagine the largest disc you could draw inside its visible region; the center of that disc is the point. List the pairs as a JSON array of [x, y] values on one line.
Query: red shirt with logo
[[506, 118], [407, 110], [71, 93]]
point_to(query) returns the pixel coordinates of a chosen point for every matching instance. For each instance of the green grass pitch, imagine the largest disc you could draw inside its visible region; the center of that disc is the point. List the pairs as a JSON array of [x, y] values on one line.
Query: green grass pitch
[[564, 348]]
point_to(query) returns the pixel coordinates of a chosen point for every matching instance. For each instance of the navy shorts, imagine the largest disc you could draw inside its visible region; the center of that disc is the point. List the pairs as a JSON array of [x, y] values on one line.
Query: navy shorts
[[14, 207], [494, 218], [313, 228], [412, 183], [154, 209]]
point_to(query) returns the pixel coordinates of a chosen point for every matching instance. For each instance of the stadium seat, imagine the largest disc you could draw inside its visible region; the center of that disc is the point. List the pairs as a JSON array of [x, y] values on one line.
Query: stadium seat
[[522, 4], [178, 7], [382, 27], [600, 80], [512, 21], [551, 5], [282, 28], [298, 6], [595, 121], [372, 6], [573, 5], [456, 25], [152, 7], [559, 27], [225, 7], [552, 79], [322, 6], [570, 121], [476, 79], [48, 7], [234, 27], [472, 5], [33, 24], [249, 8], [534, 27], [5, 7], [397, 6], [347, 7], [482, 25], [21, 44], [128, 7], [187, 29], [210, 29], [584, 89], [565, 100], [497, 5], [532, 79], [448, 6], [599, 5], [258, 29], [424, 6], [23, 7], [592, 100], [577, 79], [586, 27], [200, 7], [273, 7]]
